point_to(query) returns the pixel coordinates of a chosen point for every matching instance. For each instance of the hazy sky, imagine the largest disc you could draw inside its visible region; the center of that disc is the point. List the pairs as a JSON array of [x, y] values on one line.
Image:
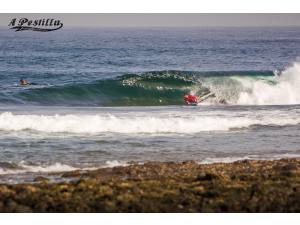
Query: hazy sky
[[156, 20]]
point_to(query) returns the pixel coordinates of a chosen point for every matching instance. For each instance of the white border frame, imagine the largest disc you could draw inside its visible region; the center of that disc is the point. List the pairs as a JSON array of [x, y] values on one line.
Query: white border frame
[[151, 6]]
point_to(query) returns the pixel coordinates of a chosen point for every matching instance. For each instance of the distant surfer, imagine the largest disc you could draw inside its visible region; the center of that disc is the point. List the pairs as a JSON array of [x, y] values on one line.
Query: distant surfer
[[23, 81]]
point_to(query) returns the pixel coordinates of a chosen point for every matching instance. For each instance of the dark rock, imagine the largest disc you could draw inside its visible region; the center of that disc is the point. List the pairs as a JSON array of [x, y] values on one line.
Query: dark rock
[[75, 173], [206, 177], [244, 186]]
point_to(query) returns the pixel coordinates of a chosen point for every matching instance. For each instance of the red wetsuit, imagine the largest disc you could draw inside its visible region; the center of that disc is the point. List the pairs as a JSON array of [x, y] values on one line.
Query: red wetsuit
[[190, 99]]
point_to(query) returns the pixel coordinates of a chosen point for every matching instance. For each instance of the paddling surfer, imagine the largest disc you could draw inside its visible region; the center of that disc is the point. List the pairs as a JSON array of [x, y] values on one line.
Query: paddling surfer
[[23, 81]]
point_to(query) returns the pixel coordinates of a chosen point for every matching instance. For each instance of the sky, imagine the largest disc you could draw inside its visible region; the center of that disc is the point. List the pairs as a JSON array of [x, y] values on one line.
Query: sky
[[163, 20]]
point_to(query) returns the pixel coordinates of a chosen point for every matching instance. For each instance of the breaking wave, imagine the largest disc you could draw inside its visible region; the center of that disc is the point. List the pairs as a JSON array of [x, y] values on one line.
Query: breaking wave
[[102, 123], [168, 87]]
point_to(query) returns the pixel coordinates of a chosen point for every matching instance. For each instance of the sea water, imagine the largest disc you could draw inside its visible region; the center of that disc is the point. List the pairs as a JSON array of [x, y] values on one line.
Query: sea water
[[108, 97]]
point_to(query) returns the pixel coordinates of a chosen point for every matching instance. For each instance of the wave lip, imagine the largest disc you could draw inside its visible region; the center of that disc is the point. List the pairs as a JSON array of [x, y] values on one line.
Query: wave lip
[[283, 90]]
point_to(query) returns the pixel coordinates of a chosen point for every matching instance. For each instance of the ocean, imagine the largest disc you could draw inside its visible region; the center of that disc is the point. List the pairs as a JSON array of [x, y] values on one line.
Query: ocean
[[103, 97]]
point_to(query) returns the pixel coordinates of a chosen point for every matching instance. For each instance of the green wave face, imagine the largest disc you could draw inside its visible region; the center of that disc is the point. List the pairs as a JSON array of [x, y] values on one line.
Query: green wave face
[[147, 89]]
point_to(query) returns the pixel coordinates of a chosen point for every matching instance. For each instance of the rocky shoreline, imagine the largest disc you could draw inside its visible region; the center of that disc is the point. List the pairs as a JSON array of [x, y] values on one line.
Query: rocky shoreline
[[242, 186]]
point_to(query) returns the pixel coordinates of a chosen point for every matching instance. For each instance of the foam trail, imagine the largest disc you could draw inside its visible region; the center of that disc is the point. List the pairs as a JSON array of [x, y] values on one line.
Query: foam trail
[[261, 92], [249, 157], [100, 123], [25, 168], [114, 163]]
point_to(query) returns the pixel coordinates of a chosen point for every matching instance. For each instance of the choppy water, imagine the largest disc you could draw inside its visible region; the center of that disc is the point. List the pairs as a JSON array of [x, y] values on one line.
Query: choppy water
[[105, 97]]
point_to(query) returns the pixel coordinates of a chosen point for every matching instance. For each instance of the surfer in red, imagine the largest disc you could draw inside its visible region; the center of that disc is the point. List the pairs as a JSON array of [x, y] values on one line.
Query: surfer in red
[[190, 99]]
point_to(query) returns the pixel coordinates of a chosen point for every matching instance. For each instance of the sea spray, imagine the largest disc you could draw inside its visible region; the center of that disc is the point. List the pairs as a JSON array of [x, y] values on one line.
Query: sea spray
[[282, 91]]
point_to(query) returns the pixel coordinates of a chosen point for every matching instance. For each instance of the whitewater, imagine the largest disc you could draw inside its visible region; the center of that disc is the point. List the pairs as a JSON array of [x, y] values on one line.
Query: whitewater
[[284, 89], [173, 122]]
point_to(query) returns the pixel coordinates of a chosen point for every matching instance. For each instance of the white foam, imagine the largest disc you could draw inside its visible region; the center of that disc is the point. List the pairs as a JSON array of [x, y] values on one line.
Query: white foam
[[222, 160], [147, 124], [101, 123], [249, 157], [261, 92], [25, 168], [114, 163]]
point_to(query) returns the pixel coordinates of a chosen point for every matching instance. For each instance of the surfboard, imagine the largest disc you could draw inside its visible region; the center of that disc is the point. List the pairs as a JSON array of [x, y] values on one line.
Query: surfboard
[[204, 97], [193, 104]]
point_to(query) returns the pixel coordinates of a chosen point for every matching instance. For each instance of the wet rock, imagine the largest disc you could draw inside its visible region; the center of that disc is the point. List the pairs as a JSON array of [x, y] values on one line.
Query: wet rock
[[243, 186], [75, 173], [41, 179], [206, 177]]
